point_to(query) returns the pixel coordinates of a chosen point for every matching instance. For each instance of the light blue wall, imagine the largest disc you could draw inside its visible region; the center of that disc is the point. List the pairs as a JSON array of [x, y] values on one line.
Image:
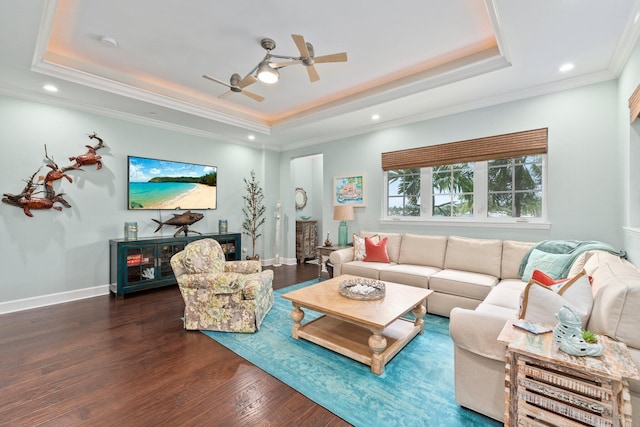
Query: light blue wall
[[593, 180], [63, 251], [584, 175], [629, 136]]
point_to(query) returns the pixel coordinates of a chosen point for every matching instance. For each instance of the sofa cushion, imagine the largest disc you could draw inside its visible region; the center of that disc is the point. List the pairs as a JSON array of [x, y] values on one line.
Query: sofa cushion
[[359, 248], [462, 283], [596, 259], [512, 254], [475, 255], [408, 274], [365, 269], [540, 303], [376, 250], [551, 264], [616, 311], [506, 313], [423, 250], [507, 295], [578, 264]]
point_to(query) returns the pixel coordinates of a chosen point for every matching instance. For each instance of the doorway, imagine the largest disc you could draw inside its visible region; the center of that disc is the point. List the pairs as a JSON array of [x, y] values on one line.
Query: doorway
[[307, 174]]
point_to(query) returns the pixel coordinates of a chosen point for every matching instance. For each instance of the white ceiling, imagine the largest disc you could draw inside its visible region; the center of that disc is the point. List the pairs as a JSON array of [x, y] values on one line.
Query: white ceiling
[[407, 61]]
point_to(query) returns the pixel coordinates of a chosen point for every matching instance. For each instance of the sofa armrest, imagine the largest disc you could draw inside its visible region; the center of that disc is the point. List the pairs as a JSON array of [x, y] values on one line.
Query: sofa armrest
[[244, 267], [477, 332], [255, 283], [341, 256]]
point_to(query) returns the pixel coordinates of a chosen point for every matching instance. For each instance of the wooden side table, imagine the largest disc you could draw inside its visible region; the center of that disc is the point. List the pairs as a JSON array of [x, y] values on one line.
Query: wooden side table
[[326, 250], [546, 386]]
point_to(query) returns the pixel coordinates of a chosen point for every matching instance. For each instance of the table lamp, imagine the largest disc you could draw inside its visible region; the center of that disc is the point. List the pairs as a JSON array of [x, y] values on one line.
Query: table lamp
[[343, 213]]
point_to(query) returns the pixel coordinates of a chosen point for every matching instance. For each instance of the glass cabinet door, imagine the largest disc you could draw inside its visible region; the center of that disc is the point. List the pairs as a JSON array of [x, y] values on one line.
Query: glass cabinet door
[[228, 248], [165, 252], [140, 263]]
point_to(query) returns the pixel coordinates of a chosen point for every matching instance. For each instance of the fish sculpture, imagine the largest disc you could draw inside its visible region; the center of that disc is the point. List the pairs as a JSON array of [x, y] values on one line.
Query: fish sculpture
[[181, 222]]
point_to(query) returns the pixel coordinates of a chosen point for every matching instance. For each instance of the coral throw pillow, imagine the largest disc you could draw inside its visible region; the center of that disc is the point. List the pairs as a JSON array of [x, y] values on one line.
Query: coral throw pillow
[[544, 279], [376, 252], [359, 250]]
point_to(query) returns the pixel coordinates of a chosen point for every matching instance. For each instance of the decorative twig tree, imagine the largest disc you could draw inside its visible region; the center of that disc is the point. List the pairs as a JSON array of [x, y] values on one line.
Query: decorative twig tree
[[253, 211]]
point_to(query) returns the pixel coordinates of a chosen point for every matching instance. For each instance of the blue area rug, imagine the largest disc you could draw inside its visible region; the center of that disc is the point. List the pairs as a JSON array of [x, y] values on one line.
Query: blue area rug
[[416, 388]]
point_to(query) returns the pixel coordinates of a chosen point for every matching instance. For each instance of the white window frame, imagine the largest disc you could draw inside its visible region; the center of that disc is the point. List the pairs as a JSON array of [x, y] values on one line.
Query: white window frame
[[480, 195]]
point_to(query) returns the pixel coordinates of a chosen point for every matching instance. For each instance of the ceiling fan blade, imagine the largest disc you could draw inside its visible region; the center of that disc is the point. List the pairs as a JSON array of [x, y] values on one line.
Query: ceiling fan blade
[[213, 79], [336, 57], [301, 45], [253, 95], [225, 95], [313, 74], [249, 80], [277, 65]]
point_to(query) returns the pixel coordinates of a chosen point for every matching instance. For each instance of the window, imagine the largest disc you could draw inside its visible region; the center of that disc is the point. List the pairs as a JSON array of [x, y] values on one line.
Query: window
[[403, 188], [515, 187], [452, 190], [483, 179], [486, 190]]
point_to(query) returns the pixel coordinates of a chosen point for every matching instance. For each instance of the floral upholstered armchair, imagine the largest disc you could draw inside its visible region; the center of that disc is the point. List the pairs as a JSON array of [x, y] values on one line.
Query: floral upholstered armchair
[[220, 295]]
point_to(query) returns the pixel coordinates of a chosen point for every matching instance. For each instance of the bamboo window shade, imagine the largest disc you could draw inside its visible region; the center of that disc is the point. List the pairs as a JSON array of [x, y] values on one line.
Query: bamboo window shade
[[634, 104], [505, 146]]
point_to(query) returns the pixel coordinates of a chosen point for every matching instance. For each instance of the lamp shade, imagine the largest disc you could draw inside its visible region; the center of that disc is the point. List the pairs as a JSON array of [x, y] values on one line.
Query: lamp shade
[[343, 213]]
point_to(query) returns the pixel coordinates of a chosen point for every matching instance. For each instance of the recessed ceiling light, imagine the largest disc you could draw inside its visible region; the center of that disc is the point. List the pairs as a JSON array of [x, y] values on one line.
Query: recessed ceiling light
[[50, 88], [251, 137], [566, 67], [109, 41], [375, 117]]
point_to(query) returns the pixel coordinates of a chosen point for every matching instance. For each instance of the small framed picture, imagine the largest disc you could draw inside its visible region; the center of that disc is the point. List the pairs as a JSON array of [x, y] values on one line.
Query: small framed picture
[[349, 190]]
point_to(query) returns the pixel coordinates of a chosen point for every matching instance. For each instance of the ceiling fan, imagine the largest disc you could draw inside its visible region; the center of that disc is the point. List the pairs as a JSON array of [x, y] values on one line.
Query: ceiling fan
[[267, 71], [237, 85]]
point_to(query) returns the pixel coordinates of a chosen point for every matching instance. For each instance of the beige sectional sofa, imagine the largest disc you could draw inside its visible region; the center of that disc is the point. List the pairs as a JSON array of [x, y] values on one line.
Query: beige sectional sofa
[[461, 271], [476, 283], [480, 358]]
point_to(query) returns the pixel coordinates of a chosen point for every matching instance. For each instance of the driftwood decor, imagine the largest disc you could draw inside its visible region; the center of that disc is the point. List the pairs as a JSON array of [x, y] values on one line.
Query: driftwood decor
[[28, 200]]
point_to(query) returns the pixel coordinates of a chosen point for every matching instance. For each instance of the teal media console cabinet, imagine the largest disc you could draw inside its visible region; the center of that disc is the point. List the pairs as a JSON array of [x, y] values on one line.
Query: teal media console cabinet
[[144, 263]]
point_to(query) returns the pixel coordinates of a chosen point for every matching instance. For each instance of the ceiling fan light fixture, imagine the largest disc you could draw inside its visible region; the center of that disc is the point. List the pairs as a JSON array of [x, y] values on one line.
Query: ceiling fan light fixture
[[267, 74]]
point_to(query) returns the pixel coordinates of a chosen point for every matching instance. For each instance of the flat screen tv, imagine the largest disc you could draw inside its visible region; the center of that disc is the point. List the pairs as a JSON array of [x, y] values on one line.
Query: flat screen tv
[[164, 184]]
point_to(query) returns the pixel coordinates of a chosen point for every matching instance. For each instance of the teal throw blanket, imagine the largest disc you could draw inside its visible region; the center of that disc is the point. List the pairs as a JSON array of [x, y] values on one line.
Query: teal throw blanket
[[573, 247]]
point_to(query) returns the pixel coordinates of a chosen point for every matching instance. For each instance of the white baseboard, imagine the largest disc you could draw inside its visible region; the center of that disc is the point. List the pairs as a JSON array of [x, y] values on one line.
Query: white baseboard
[[51, 299], [62, 297], [283, 261]]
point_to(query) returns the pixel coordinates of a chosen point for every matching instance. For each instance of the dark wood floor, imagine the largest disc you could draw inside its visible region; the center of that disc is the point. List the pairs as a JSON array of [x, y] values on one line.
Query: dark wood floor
[[128, 362]]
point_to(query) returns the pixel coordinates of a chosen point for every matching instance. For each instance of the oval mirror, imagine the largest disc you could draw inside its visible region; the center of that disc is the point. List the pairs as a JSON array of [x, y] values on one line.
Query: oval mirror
[[300, 198]]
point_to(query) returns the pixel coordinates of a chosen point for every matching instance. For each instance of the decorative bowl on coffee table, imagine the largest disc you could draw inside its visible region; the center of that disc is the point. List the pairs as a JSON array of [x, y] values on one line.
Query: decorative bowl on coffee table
[[362, 288]]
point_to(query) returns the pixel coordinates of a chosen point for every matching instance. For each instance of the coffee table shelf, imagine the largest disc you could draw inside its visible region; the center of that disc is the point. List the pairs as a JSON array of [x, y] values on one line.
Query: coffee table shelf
[[352, 340]]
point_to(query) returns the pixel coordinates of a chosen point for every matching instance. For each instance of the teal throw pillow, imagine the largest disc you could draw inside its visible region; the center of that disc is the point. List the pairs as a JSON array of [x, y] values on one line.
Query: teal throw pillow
[[551, 264]]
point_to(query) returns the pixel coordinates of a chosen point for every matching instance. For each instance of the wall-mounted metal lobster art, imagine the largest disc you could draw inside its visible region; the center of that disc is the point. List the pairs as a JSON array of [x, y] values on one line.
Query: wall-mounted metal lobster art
[[28, 199]]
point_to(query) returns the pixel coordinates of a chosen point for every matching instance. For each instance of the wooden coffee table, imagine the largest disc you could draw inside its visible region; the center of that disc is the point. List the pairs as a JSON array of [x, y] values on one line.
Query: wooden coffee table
[[371, 332]]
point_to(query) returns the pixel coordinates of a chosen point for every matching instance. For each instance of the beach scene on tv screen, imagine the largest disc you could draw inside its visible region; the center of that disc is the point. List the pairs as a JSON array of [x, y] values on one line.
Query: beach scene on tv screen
[[163, 184]]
